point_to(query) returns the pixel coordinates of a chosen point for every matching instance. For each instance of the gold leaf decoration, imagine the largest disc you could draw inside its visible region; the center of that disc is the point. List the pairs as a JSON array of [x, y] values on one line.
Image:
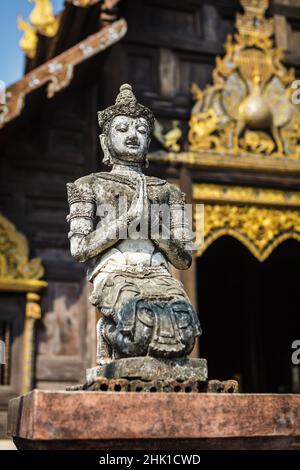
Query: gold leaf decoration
[[248, 109], [169, 140], [261, 230], [14, 262]]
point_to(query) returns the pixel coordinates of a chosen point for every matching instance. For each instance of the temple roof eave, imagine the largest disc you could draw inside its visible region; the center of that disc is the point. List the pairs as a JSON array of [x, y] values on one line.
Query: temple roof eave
[[58, 72]]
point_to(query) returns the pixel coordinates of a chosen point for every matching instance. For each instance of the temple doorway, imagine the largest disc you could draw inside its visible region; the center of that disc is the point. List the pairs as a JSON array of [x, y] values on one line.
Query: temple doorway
[[250, 314]]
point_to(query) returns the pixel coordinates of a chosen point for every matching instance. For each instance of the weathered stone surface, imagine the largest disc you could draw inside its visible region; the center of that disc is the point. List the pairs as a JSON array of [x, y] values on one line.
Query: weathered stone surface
[[97, 420], [149, 368]]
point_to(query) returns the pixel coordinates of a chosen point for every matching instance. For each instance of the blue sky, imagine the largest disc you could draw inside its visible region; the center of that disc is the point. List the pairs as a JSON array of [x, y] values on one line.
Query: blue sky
[[11, 56]]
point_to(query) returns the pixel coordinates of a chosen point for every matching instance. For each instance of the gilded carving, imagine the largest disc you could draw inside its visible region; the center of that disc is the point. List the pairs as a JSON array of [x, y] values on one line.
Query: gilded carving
[[257, 142], [244, 194], [203, 125], [243, 160], [169, 140], [248, 109], [14, 261], [261, 219], [261, 230], [33, 309]]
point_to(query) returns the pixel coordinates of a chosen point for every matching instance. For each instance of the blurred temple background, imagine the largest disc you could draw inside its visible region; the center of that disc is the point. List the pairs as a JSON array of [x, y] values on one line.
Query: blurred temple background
[[220, 78]]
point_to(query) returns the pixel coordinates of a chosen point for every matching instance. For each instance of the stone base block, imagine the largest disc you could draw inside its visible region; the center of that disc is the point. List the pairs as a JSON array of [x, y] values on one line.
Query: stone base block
[[149, 368], [154, 421]]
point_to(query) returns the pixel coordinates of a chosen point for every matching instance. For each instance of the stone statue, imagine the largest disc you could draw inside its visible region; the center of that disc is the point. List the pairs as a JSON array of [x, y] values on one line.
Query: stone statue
[[145, 311]]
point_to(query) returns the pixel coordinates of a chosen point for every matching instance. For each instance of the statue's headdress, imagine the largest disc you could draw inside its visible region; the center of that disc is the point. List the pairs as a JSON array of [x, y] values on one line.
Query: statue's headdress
[[126, 105]]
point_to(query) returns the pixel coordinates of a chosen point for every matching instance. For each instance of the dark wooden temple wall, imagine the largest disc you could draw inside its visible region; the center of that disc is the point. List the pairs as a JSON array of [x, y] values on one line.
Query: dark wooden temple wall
[[40, 154]]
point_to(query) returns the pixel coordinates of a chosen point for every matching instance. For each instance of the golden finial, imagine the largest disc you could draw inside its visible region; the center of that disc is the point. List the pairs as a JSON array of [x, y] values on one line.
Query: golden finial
[[42, 18], [28, 43], [248, 109]]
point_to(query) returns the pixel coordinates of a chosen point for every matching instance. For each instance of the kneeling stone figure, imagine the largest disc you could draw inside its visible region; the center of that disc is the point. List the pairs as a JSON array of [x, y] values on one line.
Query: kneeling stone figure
[[145, 311]]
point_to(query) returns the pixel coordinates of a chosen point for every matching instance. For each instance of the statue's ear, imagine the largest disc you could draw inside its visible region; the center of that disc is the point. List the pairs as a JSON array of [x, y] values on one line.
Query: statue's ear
[[106, 154]]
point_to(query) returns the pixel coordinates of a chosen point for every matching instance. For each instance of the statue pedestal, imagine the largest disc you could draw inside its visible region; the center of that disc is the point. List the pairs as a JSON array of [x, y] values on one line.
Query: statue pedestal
[[154, 421], [149, 368]]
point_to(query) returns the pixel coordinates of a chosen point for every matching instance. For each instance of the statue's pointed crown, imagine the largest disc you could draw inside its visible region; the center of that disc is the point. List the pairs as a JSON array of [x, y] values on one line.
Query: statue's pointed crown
[[126, 105]]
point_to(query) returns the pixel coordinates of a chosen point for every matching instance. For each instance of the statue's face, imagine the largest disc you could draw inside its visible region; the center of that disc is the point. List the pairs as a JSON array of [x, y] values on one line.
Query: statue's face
[[129, 139]]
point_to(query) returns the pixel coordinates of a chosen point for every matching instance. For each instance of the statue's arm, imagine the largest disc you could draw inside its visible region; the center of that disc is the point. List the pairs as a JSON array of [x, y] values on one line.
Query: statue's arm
[[85, 247], [86, 241], [177, 247]]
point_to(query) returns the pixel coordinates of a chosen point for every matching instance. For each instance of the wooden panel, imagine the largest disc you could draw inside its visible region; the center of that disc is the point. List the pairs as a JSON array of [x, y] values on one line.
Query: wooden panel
[[67, 336], [192, 70], [176, 22], [142, 66]]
